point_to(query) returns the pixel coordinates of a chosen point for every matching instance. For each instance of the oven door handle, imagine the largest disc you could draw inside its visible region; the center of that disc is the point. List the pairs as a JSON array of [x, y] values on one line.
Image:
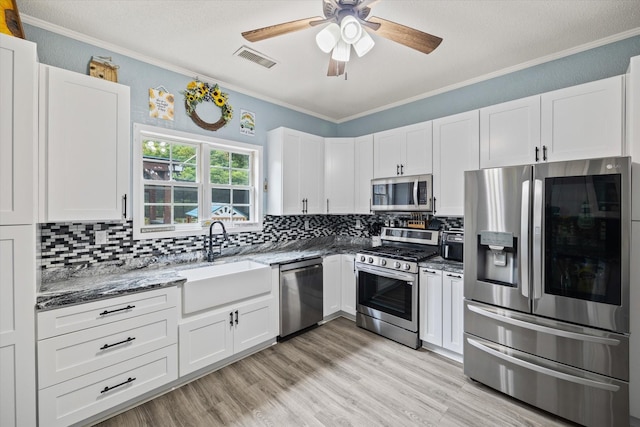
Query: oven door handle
[[384, 272]]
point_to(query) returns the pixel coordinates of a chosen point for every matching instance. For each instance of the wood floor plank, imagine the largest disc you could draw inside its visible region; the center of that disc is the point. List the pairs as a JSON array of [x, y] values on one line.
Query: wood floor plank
[[336, 375]]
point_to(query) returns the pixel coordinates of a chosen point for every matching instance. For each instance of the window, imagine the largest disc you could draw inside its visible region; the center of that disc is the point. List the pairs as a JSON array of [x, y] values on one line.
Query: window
[[183, 181]]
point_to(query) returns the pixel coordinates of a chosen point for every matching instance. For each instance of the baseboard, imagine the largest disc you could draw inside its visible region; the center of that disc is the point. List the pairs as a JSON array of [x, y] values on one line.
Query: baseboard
[[634, 422], [443, 352]]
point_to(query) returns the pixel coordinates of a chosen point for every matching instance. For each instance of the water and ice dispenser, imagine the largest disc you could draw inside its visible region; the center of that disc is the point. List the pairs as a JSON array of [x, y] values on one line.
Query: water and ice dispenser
[[498, 258]]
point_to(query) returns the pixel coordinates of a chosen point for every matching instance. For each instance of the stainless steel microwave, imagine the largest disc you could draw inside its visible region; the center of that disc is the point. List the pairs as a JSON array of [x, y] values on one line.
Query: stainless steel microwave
[[402, 194]]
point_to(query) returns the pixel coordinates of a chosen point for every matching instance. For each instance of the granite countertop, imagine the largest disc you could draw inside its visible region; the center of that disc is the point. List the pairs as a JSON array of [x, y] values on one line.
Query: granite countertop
[[439, 263], [63, 287]]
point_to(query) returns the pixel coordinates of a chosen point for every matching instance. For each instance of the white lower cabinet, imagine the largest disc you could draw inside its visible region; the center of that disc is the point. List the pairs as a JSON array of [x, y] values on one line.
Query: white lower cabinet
[[224, 332], [109, 352], [17, 350], [339, 282], [441, 309], [331, 285], [452, 311], [431, 306], [348, 303]]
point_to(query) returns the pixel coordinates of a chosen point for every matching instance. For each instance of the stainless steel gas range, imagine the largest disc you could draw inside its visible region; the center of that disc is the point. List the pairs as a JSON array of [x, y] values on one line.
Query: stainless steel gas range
[[387, 283]]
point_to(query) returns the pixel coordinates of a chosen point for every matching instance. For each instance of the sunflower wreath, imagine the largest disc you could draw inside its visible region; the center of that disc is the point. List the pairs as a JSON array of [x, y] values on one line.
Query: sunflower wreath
[[198, 92]]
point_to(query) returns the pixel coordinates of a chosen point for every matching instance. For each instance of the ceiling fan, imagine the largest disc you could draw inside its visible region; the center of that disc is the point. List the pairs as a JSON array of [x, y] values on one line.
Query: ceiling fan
[[348, 22]]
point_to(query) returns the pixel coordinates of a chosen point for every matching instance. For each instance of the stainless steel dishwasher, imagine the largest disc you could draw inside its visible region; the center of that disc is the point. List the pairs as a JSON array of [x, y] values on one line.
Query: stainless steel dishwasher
[[300, 295]]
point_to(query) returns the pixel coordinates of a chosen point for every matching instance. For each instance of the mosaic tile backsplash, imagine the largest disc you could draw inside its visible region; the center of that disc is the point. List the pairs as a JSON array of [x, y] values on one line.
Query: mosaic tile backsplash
[[73, 244]]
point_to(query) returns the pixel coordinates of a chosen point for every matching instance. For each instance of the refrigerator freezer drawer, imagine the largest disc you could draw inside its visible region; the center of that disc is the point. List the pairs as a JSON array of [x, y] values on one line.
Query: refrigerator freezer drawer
[[580, 396], [602, 352]]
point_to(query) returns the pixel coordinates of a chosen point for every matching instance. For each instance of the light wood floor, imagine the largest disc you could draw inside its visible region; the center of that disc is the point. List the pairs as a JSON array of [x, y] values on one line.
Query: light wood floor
[[336, 375]]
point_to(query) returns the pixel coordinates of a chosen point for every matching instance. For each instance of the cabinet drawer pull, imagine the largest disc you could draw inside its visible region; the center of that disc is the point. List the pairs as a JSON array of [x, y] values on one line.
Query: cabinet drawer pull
[[454, 275], [128, 307], [106, 346], [397, 169], [537, 156], [429, 271], [544, 152], [231, 318], [124, 206], [236, 317], [106, 389]]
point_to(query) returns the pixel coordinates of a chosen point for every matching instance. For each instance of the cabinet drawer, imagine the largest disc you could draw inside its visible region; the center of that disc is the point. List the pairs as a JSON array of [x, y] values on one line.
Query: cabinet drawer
[[82, 316], [77, 399], [68, 356]]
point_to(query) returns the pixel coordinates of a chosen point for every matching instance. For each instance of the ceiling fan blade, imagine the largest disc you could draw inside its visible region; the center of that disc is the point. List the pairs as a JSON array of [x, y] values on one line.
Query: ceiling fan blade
[[336, 68], [279, 29], [407, 36]]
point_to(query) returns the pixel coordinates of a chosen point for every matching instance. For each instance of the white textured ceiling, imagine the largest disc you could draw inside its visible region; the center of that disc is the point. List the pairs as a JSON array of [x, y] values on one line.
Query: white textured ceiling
[[481, 37]]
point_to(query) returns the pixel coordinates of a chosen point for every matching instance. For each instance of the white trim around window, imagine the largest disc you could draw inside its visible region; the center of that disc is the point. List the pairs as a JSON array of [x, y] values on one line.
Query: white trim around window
[[249, 195]]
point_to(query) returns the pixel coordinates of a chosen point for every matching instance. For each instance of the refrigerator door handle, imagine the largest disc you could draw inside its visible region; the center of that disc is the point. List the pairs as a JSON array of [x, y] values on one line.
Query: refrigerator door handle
[[541, 369], [544, 329], [537, 239], [524, 239]]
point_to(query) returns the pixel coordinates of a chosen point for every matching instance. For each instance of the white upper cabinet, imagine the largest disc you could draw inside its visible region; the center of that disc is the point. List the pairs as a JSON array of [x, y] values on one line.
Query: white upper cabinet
[[296, 173], [84, 147], [403, 151], [456, 147], [510, 133], [584, 121], [363, 174], [339, 175], [18, 130], [578, 122]]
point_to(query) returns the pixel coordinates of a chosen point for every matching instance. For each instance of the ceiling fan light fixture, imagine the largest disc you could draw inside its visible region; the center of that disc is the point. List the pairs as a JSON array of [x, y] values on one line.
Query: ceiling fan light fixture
[[328, 37], [341, 52], [350, 29], [364, 45]]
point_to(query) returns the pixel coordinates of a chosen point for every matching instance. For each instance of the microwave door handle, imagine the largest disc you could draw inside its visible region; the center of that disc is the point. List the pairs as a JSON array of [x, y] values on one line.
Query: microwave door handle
[[415, 193], [524, 239], [537, 239]]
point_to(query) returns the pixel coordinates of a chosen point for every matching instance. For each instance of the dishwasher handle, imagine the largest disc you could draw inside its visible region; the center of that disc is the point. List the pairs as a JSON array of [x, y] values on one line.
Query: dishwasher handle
[[296, 265]]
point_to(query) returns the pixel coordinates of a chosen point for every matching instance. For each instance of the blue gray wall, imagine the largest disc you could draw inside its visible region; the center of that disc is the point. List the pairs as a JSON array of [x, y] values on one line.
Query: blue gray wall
[[64, 52], [594, 64]]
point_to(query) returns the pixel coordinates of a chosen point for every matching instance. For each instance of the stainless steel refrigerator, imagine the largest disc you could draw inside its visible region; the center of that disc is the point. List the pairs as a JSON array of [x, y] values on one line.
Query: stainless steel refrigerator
[[546, 285]]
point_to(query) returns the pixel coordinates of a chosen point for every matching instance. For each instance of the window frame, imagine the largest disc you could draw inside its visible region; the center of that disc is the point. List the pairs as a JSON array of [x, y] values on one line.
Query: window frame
[[204, 145]]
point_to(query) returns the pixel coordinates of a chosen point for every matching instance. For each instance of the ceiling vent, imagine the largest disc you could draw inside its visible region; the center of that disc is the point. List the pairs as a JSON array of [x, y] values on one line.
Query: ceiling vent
[[253, 56]]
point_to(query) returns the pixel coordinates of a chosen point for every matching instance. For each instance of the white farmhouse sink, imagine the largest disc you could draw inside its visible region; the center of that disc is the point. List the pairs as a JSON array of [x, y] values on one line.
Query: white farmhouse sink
[[220, 284]]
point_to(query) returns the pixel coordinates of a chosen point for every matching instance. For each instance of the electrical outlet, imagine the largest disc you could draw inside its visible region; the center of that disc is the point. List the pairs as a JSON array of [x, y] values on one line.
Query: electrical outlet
[[358, 224], [101, 237], [306, 225]]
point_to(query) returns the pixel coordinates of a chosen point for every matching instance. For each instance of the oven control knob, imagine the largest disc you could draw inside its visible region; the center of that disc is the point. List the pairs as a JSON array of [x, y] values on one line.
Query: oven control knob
[[362, 258], [370, 260], [396, 264], [406, 267], [383, 262]]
